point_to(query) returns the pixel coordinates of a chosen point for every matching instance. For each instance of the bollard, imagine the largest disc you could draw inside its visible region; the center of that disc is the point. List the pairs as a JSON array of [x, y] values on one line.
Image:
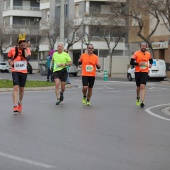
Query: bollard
[[105, 77]]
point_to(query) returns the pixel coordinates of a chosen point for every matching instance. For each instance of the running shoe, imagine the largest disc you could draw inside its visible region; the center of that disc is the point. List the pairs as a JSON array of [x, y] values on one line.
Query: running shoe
[[15, 109], [19, 107], [142, 105], [58, 102], [84, 100], [88, 103], [137, 101], [61, 97]]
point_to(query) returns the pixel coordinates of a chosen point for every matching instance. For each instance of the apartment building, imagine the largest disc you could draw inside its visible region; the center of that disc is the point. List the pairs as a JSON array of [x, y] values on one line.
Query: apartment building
[[78, 14]]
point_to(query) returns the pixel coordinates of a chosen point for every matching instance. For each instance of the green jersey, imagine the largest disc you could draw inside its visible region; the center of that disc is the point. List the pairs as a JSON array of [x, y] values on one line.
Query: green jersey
[[58, 59]]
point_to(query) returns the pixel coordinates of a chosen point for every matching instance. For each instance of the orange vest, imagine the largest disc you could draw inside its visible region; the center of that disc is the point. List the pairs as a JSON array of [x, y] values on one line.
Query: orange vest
[[139, 56]]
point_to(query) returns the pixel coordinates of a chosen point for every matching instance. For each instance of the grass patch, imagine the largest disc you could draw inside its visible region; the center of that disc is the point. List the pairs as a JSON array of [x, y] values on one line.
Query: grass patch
[[29, 83]]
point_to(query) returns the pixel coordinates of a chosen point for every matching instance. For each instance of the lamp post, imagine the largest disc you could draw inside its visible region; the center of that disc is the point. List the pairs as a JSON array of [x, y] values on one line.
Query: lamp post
[[83, 26], [62, 19]]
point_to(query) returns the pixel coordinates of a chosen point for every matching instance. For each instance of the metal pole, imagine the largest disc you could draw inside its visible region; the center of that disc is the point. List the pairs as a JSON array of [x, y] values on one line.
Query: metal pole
[[83, 26], [62, 19]]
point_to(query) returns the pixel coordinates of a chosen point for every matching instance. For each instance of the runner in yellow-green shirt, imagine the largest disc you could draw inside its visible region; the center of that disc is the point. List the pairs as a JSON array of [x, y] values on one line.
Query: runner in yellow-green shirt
[[60, 61]]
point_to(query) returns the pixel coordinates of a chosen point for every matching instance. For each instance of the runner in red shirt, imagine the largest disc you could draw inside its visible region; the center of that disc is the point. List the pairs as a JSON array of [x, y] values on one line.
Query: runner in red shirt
[[17, 59]]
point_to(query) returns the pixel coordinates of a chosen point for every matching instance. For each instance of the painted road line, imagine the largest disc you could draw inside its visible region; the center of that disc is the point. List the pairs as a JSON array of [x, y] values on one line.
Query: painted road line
[[27, 161], [148, 110]]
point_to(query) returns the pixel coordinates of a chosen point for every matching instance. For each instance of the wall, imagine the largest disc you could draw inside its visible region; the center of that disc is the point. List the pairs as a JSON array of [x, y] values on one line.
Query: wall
[[119, 64]]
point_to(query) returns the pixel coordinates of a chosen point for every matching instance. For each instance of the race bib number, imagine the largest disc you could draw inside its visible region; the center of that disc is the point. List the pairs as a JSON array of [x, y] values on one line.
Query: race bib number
[[144, 66], [89, 68], [20, 65]]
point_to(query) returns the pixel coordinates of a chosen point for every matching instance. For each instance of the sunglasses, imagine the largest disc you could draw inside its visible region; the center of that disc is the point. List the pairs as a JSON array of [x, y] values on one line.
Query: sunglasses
[[91, 48]]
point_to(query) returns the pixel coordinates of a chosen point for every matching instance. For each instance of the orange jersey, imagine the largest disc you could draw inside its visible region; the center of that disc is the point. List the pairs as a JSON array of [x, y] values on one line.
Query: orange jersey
[[139, 56], [20, 63], [89, 64]]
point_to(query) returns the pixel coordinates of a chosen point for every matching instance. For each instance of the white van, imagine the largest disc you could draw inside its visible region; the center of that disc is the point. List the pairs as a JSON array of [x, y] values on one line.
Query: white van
[[158, 70]]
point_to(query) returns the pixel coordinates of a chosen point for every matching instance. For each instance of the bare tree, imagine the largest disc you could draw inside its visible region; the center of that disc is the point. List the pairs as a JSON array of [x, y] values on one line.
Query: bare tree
[[164, 12], [110, 26], [8, 38], [75, 36], [142, 12]]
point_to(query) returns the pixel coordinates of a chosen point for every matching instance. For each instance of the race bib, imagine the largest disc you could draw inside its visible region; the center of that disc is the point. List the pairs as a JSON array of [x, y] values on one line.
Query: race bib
[[20, 65], [144, 66], [89, 68]]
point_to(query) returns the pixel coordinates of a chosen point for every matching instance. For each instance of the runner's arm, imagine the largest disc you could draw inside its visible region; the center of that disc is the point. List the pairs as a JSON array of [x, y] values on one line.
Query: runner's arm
[[151, 61], [51, 64], [133, 62]]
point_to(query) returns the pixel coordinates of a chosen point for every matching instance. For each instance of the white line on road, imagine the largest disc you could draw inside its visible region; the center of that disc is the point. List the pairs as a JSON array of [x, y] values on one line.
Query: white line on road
[[31, 162], [148, 110]]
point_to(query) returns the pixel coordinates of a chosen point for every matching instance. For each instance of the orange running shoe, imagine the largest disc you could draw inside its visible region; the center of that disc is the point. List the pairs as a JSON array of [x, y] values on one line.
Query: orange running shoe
[[15, 109], [19, 107]]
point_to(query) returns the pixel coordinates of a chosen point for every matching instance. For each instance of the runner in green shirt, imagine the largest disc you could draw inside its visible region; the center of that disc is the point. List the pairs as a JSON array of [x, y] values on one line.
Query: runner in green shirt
[[60, 61]]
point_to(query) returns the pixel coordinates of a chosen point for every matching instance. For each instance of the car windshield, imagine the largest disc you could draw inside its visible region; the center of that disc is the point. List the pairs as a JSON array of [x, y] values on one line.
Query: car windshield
[[2, 63]]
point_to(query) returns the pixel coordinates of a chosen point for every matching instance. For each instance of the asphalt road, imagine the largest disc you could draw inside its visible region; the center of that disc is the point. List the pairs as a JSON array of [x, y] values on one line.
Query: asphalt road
[[111, 134]]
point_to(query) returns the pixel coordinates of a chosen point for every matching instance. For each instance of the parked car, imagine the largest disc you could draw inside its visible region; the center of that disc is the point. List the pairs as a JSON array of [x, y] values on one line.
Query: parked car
[[29, 68], [73, 70], [158, 70], [4, 67]]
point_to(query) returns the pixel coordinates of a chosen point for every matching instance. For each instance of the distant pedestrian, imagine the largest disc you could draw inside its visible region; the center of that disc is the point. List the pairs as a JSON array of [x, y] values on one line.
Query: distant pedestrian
[[18, 58], [60, 61], [49, 72], [142, 60]]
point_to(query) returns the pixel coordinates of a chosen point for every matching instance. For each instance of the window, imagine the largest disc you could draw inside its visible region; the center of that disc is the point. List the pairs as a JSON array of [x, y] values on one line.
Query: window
[[48, 16], [26, 22], [105, 9], [77, 10]]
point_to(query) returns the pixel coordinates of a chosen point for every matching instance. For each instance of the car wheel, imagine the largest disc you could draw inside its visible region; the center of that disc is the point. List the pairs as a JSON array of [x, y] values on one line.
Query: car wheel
[[129, 77]]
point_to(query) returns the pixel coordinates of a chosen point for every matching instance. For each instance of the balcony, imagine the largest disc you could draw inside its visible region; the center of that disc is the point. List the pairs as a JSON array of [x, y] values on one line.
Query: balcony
[[31, 29], [22, 11], [99, 20]]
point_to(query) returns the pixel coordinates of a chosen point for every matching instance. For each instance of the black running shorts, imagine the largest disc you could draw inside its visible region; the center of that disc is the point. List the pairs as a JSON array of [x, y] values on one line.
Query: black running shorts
[[19, 78], [62, 75], [88, 81], [141, 78]]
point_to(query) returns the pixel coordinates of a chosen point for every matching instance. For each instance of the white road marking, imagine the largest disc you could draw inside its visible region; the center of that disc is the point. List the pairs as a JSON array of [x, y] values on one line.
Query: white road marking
[[31, 162], [148, 110]]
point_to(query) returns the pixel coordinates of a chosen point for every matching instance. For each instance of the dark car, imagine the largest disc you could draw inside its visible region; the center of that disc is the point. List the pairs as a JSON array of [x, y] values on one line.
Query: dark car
[[29, 68]]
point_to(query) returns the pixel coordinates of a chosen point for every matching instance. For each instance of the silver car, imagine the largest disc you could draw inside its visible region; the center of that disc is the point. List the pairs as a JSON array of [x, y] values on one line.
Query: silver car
[[73, 70]]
